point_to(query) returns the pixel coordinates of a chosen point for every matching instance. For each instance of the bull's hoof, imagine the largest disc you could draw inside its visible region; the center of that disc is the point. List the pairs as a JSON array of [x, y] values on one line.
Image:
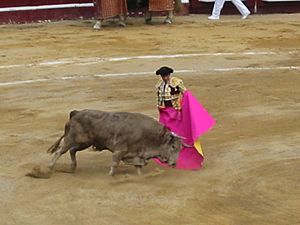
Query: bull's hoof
[[72, 170], [111, 172], [139, 170], [65, 170]]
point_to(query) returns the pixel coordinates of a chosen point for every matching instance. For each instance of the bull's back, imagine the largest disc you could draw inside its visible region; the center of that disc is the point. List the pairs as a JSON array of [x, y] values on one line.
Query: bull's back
[[116, 130], [112, 122]]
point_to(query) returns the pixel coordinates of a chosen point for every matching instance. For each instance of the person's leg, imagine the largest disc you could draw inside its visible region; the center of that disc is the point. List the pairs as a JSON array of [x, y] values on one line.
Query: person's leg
[[217, 9], [148, 17], [169, 18], [122, 21], [98, 25], [241, 7]]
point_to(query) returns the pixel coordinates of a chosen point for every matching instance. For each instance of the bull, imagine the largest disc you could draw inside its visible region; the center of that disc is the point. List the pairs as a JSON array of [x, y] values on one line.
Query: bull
[[133, 138]]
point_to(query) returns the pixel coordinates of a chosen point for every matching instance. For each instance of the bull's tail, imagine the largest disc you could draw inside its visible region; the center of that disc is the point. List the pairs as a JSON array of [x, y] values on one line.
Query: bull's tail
[[55, 146]]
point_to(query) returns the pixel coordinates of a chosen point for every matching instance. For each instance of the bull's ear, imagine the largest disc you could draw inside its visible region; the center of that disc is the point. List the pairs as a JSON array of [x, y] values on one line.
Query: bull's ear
[[166, 129]]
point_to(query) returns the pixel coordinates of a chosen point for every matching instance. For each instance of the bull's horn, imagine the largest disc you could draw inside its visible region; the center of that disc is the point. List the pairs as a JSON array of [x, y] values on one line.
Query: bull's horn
[[176, 135], [187, 146]]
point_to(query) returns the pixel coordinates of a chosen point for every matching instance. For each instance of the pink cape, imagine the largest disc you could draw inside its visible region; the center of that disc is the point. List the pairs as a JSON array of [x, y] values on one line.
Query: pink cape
[[191, 122]]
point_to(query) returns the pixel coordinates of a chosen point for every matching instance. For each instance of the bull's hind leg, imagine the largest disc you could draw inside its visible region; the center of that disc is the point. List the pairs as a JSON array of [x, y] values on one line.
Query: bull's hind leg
[[65, 145], [62, 150], [73, 151], [116, 158]]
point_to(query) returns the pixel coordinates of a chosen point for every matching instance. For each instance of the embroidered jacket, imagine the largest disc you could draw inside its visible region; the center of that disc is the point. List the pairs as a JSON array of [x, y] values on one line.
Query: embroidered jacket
[[170, 94]]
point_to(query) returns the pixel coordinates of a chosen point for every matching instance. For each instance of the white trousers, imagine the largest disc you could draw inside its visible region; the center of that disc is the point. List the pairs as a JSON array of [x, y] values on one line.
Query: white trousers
[[238, 4]]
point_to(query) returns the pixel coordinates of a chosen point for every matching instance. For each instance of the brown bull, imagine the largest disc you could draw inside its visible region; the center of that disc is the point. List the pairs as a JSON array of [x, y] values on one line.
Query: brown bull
[[132, 138]]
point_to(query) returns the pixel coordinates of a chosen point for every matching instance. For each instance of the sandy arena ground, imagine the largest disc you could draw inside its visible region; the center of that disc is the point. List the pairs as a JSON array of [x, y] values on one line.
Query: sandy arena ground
[[246, 73]]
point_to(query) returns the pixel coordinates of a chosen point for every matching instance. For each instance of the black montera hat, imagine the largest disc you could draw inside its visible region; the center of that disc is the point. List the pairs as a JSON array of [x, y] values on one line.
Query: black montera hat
[[163, 71]]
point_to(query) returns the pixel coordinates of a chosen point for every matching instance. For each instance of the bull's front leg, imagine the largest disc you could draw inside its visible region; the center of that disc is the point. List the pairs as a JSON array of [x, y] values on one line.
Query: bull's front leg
[[116, 158], [139, 170], [73, 158]]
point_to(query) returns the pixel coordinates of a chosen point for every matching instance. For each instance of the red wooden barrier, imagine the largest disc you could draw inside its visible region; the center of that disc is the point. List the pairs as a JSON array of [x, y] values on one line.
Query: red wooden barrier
[[23, 11]]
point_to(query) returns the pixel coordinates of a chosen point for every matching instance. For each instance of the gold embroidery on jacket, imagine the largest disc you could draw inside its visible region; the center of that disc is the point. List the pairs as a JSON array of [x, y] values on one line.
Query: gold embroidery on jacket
[[171, 91]]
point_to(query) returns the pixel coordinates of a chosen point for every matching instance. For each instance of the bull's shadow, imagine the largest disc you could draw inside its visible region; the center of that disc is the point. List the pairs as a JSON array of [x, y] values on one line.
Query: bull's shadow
[[94, 164]]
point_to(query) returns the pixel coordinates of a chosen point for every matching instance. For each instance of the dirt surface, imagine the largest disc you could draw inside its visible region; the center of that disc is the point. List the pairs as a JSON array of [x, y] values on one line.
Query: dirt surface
[[246, 73]]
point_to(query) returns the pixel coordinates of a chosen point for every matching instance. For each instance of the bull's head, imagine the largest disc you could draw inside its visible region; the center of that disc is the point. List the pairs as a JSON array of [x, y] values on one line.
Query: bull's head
[[172, 147]]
